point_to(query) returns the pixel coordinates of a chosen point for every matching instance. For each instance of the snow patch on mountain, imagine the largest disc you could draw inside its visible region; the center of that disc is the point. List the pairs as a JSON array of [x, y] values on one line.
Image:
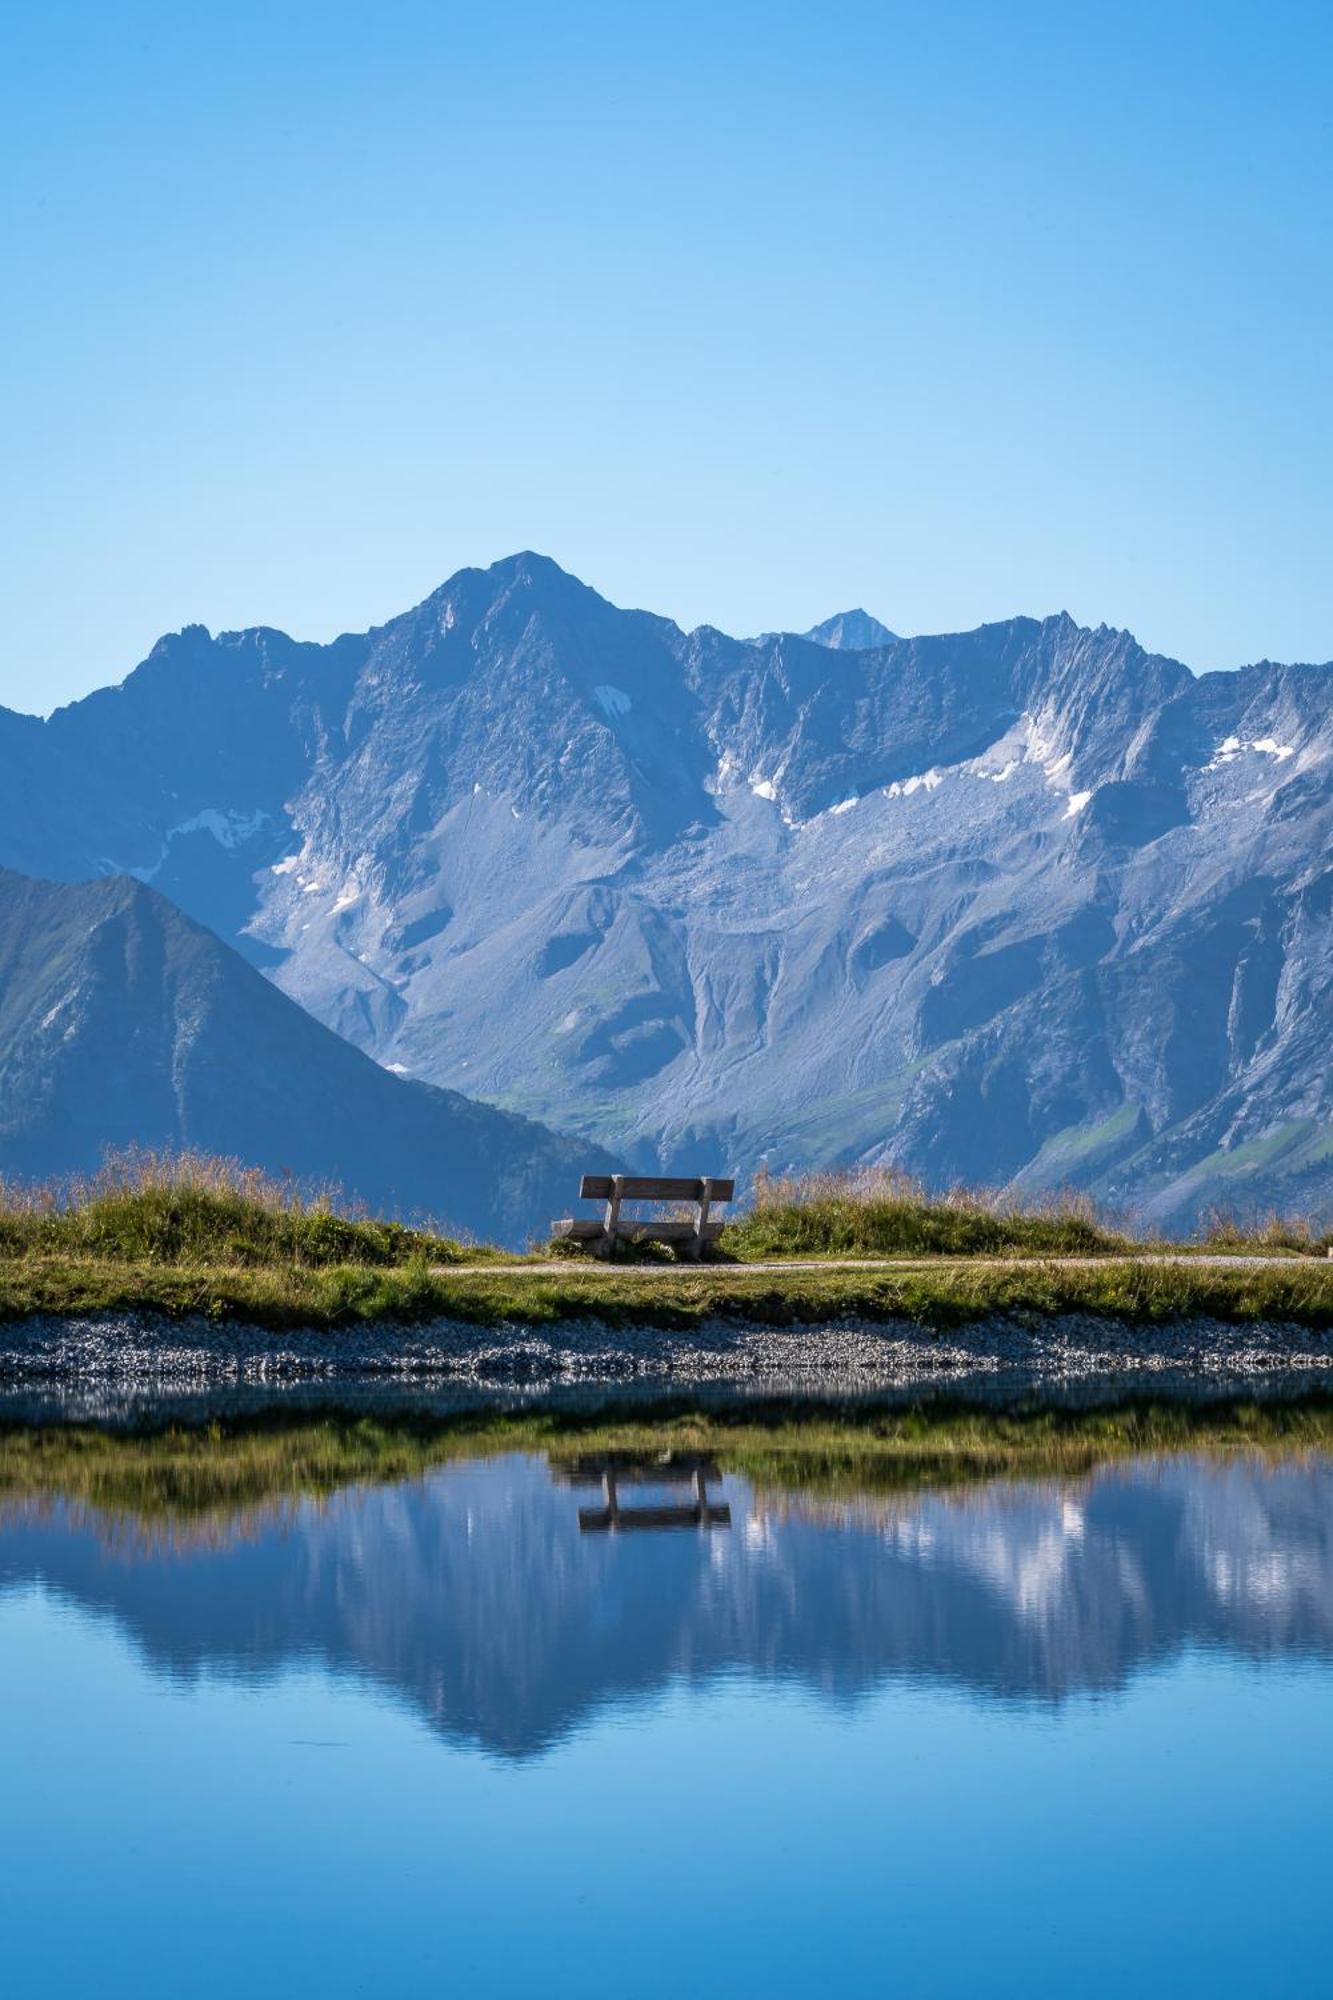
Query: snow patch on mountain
[[229, 828], [923, 781], [1233, 747]]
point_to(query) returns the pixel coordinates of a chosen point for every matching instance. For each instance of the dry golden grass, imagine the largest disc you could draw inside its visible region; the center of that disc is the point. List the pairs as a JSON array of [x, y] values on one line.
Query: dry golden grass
[[881, 1212], [185, 1209]]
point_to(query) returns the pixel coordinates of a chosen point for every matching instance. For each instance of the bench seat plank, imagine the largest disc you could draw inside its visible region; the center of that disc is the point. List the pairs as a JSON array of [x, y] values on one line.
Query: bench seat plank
[[580, 1229]]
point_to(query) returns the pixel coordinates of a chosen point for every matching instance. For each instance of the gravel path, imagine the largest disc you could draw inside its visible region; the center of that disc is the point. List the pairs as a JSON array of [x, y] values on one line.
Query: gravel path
[[596, 1267], [103, 1366]]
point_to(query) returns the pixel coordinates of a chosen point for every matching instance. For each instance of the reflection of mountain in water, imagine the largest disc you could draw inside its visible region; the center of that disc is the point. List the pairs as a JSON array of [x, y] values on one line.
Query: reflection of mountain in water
[[473, 1595]]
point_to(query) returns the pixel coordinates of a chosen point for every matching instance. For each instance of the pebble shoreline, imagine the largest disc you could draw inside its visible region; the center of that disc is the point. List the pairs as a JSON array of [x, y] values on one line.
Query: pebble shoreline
[[110, 1365]]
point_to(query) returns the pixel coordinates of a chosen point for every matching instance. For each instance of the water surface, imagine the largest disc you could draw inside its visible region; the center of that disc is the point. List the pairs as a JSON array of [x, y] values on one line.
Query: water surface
[[1056, 1735]]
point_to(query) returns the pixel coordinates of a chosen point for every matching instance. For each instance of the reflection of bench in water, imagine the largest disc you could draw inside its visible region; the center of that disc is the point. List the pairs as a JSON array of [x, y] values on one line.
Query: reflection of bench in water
[[613, 1473]]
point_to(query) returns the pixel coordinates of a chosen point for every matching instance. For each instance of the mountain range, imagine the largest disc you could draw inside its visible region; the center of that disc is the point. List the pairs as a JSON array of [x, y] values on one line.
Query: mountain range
[[1026, 905]]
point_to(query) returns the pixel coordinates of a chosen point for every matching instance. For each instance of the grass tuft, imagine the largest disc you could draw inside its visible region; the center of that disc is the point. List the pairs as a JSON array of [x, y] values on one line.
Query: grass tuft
[[183, 1209], [880, 1212], [1223, 1233]]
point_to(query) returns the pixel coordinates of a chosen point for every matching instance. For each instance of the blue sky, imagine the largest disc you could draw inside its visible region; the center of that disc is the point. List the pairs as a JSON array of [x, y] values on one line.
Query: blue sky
[[742, 312]]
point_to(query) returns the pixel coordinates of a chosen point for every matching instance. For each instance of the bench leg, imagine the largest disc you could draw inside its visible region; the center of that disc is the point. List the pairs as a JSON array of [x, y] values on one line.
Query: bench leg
[[701, 1221], [607, 1246]]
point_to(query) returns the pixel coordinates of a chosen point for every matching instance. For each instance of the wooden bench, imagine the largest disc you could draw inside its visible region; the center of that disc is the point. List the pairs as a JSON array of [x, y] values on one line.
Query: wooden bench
[[693, 1234]]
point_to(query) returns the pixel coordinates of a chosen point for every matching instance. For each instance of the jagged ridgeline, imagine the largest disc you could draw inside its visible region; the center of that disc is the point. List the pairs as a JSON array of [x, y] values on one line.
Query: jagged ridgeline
[[1025, 906]]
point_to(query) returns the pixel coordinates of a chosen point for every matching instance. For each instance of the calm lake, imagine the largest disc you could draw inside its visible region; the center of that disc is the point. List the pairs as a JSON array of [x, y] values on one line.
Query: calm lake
[[581, 1723]]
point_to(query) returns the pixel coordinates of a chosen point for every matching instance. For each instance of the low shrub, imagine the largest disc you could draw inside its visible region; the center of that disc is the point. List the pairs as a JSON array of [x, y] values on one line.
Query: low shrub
[[883, 1213], [1222, 1232], [191, 1209]]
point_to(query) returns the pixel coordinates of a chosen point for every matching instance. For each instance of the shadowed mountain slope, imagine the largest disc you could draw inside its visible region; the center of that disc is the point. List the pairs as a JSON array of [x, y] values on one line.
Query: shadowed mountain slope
[[123, 1023]]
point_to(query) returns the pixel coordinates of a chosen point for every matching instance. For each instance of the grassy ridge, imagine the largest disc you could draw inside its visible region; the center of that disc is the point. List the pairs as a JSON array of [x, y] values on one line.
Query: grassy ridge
[[188, 1236], [880, 1212], [184, 1209], [885, 1214], [218, 1471]]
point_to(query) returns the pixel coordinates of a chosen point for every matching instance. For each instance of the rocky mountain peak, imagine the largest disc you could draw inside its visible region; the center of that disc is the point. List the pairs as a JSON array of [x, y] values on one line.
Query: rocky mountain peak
[[852, 632]]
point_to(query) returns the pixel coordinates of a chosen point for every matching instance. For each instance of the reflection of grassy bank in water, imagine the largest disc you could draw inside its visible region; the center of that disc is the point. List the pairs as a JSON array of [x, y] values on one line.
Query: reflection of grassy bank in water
[[188, 1472], [935, 1449], [184, 1475]]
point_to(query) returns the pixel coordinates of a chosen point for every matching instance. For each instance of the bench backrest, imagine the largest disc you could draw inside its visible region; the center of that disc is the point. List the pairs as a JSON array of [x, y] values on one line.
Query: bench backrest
[[600, 1187]]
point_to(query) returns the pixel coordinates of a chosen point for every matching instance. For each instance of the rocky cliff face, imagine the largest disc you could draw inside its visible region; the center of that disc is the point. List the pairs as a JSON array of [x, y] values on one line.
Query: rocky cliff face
[[1022, 905], [123, 1023]]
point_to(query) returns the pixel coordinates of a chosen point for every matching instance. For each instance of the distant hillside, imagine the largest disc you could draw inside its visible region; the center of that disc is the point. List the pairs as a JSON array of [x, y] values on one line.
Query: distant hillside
[[122, 1022], [1023, 906]]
